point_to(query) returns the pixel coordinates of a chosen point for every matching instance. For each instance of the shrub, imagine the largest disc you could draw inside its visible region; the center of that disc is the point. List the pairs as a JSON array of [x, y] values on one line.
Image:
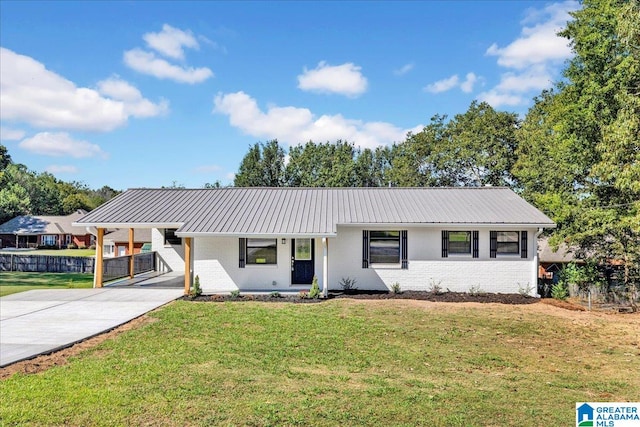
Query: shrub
[[525, 290], [559, 291], [303, 294], [314, 292], [348, 284], [196, 291], [92, 247], [72, 246], [395, 288], [435, 287], [235, 294], [274, 294], [476, 290]]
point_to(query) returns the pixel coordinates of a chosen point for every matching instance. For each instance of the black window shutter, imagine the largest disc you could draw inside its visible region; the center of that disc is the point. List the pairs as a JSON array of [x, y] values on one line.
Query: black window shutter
[[523, 244], [475, 243], [243, 252], [493, 244], [404, 249], [445, 243], [365, 248]]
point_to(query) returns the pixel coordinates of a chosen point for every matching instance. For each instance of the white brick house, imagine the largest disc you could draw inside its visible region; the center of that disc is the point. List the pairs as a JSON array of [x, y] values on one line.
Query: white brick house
[[268, 239]]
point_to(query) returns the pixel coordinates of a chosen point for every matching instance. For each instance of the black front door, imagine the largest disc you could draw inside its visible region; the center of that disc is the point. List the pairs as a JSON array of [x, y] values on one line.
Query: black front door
[[302, 268]]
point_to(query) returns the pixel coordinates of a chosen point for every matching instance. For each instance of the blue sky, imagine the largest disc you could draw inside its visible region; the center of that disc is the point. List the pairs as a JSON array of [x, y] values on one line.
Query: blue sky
[[142, 94]]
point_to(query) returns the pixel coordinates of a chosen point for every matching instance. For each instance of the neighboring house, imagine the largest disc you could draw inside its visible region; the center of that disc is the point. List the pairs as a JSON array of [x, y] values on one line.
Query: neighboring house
[[32, 231], [266, 239], [552, 262], [116, 243]]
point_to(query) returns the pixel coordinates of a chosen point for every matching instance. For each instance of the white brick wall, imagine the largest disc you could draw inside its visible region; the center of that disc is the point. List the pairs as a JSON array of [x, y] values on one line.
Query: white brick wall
[[216, 263], [170, 257]]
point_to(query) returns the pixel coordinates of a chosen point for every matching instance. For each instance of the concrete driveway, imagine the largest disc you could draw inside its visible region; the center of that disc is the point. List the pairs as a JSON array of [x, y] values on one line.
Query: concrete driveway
[[42, 321]]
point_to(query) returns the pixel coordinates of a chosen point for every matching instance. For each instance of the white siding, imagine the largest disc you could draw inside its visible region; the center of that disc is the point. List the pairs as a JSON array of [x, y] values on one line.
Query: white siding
[[216, 263], [170, 257]]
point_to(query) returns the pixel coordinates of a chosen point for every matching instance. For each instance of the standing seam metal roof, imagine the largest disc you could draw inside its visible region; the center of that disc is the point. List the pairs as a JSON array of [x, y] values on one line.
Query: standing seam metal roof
[[312, 210]]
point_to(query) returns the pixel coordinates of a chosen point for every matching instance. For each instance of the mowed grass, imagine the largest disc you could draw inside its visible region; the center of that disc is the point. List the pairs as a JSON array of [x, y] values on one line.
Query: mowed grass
[[342, 362], [55, 252], [13, 282]]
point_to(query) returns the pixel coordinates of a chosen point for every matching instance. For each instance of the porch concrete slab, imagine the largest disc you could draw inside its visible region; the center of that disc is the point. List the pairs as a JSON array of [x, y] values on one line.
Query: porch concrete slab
[[42, 321]]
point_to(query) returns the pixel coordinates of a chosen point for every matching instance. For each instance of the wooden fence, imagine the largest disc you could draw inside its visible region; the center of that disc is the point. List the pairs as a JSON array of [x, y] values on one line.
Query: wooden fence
[[118, 267], [46, 263]]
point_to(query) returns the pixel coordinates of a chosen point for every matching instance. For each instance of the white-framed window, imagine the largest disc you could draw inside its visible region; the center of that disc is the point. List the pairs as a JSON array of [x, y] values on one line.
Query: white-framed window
[[508, 242], [384, 247], [262, 251], [49, 240]]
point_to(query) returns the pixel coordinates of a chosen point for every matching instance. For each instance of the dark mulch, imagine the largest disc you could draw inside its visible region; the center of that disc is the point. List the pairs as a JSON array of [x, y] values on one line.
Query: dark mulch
[[415, 295]]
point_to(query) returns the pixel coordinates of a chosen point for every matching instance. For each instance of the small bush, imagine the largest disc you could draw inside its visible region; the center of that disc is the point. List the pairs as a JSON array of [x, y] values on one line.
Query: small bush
[[274, 294], [560, 291], [348, 284], [72, 246], [476, 290], [235, 294], [435, 287], [196, 291], [92, 247], [314, 292], [395, 288], [525, 290]]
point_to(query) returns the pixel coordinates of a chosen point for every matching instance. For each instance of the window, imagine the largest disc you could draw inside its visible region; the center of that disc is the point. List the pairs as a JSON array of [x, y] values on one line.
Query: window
[[384, 247], [303, 249], [67, 239], [49, 240], [170, 237], [508, 242], [262, 251], [459, 242]]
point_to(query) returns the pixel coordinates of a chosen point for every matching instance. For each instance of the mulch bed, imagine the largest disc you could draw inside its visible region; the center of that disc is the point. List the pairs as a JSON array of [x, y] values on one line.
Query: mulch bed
[[414, 295]]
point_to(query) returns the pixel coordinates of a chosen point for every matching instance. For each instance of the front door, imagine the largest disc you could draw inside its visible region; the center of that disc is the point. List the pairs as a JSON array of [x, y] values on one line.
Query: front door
[[302, 268]]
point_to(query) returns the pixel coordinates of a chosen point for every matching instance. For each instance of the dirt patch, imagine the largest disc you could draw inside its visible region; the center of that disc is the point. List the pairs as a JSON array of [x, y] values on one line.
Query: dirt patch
[[61, 357], [568, 305], [455, 297]]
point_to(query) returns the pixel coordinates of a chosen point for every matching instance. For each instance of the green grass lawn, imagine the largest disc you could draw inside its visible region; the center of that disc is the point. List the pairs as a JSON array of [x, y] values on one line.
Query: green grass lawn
[[342, 362], [13, 282], [55, 252]]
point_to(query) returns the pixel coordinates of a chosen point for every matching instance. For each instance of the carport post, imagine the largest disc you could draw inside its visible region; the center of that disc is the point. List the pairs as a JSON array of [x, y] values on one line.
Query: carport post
[[131, 264], [99, 257], [187, 265]]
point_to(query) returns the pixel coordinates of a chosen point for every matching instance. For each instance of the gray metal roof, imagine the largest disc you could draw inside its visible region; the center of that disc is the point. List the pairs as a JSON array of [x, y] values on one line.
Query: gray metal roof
[[310, 211], [45, 224]]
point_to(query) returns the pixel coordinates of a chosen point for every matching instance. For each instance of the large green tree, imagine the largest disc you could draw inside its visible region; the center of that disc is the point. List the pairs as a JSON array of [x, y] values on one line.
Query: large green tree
[[579, 150], [262, 166]]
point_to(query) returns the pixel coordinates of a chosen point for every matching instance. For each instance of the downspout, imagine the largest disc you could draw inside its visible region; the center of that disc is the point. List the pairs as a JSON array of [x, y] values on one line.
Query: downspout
[[325, 267], [536, 261]]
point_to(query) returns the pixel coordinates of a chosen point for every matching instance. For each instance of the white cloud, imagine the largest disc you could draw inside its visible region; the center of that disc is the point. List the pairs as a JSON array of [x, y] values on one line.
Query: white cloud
[[467, 85], [292, 125], [60, 144], [147, 63], [443, 85], [404, 69], [10, 134], [134, 103], [208, 168], [533, 58], [171, 41], [345, 79], [539, 43], [61, 169], [32, 94]]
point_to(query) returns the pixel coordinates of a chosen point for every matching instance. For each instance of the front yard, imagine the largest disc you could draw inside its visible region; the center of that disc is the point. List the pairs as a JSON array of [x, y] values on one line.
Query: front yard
[[13, 282], [340, 362]]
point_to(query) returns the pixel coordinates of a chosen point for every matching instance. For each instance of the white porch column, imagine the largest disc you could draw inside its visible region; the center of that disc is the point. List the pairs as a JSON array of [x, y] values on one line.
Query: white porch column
[[325, 266]]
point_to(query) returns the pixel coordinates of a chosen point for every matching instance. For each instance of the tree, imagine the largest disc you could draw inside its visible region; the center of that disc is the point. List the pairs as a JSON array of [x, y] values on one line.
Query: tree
[[262, 166], [579, 146]]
